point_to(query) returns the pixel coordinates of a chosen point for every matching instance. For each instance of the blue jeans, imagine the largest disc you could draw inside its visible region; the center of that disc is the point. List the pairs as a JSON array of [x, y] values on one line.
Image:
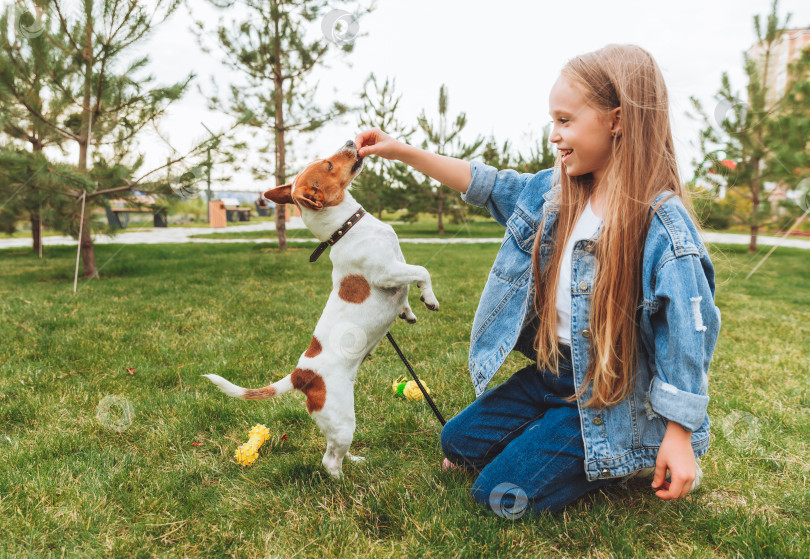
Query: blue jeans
[[525, 441]]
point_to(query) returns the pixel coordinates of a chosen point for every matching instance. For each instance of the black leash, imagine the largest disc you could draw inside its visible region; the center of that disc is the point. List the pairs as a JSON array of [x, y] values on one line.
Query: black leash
[[418, 382]]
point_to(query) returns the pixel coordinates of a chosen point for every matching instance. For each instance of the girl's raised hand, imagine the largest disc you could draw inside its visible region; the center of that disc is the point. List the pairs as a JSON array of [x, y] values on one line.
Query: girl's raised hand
[[377, 142]]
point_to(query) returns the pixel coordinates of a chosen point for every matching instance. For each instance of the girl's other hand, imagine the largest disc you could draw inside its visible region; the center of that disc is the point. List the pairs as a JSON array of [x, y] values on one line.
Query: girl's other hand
[[377, 142], [675, 455]]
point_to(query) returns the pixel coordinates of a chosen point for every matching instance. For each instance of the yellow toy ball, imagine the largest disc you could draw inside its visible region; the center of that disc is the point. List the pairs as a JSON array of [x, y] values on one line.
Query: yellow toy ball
[[408, 389], [412, 392]]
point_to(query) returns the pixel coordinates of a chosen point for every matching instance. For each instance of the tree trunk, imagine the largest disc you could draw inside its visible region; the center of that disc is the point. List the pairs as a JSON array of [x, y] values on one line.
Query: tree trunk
[[36, 232], [755, 183], [86, 240], [88, 255], [440, 211], [755, 188], [36, 217], [752, 246], [278, 82]]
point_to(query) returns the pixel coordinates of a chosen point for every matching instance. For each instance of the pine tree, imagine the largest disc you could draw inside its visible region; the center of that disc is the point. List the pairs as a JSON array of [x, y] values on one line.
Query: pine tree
[[269, 47], [737, 151], [27, 61], [377, 188], [107, 107], [442, 139]]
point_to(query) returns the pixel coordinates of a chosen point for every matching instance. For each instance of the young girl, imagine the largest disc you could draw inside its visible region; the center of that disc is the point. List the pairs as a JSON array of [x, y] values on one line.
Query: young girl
[[604, 280]]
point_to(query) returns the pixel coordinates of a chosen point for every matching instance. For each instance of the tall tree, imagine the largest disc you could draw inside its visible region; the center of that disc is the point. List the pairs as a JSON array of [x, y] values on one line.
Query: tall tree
[[378, 187], [28, 60], [109, 97], [735, 142], [444, 139], [269, 46]]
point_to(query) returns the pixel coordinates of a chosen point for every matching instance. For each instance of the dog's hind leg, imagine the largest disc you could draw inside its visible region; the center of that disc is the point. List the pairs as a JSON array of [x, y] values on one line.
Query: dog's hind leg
[[337, 422], [333, 457], [338, 442]]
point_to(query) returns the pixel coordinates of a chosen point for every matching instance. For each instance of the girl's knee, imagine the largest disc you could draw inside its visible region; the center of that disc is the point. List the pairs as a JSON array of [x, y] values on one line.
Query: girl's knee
[[458, 447], [451, 439]]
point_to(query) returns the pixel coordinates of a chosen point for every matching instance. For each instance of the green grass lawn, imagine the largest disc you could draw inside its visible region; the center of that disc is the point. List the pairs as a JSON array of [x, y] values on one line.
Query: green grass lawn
[[426, 227], [472, 229], [167, 483]]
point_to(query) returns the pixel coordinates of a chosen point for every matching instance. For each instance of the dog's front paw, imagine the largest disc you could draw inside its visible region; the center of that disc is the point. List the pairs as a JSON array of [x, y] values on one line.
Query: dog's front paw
[[430, 301], [354, 458], [408, 316]]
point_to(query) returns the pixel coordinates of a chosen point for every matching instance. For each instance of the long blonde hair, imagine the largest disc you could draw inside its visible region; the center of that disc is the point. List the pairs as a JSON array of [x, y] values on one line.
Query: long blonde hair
[[642, 165]]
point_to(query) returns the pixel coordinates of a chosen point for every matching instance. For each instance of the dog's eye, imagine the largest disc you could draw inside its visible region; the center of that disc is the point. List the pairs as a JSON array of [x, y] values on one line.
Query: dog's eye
[[330, 165]]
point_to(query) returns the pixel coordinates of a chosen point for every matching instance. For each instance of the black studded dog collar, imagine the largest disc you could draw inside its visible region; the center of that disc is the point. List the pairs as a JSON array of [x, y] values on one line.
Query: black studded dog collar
[[337, 235]]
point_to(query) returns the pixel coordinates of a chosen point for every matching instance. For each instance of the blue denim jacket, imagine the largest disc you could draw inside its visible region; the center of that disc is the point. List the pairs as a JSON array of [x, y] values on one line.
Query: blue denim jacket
[[678, 319]]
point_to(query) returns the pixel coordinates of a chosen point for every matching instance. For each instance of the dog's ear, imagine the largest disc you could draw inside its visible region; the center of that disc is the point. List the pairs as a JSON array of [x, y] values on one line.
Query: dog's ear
[[309, 197], [281, 194]]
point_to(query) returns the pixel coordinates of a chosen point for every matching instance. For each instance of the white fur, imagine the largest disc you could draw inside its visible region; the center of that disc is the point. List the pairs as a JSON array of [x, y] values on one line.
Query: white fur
[[348, 332]]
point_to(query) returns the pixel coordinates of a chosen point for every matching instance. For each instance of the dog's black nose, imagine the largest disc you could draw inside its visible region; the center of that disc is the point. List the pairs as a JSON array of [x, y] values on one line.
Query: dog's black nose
[[349, 144]]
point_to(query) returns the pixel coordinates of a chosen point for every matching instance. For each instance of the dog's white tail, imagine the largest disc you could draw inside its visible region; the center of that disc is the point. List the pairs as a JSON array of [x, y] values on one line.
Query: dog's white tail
[[269, 391]]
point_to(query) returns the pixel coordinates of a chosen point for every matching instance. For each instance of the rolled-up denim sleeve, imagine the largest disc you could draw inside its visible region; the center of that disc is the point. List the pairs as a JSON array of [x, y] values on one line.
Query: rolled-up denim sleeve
[[497, 190], [685, 329]]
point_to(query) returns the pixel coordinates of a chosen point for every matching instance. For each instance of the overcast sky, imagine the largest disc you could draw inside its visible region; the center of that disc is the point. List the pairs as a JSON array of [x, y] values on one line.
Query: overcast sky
[[498, 60]]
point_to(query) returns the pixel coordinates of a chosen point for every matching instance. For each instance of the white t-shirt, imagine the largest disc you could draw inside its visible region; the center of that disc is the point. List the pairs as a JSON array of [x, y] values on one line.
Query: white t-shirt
[[586, 226]]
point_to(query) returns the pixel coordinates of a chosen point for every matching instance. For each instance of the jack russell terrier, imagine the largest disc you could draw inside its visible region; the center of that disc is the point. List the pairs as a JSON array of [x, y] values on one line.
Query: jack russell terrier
[[370, 282]]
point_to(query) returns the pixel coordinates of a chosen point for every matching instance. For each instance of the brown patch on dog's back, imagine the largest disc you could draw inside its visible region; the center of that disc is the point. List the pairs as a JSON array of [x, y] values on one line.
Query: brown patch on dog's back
[[354, 289], [310, 383], [259, 393], [314, 348]]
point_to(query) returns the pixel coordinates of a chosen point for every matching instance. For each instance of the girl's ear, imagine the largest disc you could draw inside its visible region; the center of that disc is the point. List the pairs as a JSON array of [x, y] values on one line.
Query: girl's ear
[[281, 194], [616, 121]]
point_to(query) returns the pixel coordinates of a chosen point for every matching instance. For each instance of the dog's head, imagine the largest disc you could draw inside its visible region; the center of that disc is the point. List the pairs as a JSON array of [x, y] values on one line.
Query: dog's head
[[322, 183]]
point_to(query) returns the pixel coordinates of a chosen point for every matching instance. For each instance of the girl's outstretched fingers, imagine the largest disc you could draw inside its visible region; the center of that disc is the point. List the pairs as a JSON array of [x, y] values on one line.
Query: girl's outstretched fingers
[[366, 139], [375, 142]]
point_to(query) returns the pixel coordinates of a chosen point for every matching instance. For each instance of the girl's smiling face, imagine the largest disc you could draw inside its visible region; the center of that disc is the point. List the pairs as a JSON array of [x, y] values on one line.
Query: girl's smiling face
[[581, 132]]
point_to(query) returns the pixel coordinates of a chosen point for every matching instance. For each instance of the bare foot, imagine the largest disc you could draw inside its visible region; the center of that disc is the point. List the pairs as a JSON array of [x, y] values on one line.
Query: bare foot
[[448, 465]]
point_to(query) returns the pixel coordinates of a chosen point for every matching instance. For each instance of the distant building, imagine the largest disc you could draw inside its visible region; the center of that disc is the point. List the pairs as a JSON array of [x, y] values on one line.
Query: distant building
[[787, 48]]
